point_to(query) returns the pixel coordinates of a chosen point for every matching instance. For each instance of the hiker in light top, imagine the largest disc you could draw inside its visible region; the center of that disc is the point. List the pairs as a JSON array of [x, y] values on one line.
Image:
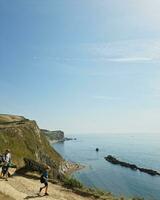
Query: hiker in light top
[[6, 163], [44, 180]]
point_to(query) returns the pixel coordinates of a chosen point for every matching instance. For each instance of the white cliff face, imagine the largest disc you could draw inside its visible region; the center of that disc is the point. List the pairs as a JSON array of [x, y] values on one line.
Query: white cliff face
[[53, 135]]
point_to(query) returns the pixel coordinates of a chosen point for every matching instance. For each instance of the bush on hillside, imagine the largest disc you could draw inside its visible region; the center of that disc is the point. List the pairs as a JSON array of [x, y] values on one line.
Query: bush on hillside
[[72, 183]]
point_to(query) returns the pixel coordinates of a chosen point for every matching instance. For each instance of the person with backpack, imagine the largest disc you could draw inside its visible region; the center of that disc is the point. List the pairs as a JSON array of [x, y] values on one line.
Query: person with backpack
[[44, 180], [1, 159], [6, 163]]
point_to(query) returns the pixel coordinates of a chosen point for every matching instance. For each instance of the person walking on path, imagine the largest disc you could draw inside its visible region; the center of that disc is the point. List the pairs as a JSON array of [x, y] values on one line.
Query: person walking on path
[[44, 180], [6, 163]]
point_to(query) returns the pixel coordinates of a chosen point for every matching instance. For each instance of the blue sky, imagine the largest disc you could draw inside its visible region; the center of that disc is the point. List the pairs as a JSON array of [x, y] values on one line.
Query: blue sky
[[87, 66]]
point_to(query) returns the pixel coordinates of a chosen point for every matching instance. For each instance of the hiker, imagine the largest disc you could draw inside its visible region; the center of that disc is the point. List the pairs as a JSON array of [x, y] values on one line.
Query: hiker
[[6, 163], [1, 158], [44, 180], [1, 164]]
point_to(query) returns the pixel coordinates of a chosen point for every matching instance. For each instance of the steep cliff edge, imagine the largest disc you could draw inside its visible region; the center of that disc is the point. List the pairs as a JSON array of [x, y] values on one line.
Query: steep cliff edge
[[25, 140]]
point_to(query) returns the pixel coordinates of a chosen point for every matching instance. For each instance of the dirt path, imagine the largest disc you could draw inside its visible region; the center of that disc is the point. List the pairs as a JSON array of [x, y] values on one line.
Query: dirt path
[[21, 188], [4, 197]]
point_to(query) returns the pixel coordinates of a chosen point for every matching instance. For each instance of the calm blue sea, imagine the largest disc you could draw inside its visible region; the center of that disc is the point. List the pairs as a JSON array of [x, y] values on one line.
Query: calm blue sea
[[141, 149]]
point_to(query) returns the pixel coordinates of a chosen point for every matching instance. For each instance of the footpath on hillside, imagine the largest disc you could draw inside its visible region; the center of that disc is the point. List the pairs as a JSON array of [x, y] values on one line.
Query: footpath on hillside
[[20, 188]]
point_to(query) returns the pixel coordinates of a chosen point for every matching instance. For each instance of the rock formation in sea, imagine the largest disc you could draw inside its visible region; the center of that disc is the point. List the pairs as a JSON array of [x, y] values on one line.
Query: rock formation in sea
[[115, 161]]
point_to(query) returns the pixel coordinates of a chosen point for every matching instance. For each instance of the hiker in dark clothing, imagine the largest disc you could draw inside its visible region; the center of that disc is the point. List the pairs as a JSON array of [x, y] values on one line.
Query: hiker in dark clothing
[[6, 163], [44, 180], [1, 158]]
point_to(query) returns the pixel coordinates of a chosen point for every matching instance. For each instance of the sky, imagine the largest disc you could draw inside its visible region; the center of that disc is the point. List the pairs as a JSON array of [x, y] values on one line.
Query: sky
[[87, 66]]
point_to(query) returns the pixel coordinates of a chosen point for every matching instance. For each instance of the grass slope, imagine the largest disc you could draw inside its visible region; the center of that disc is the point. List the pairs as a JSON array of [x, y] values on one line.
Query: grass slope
[[25, 140]]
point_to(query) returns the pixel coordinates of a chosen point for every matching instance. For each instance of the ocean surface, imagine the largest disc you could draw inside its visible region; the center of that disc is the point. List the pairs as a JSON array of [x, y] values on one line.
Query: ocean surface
[[140, 149]]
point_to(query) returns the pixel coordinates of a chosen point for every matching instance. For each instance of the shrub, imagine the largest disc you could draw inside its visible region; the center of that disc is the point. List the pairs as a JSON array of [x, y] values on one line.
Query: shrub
[[72, 183]]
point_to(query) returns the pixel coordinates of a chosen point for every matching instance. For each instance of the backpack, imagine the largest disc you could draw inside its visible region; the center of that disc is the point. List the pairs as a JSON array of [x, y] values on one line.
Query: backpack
[[2, 158], [4, 170], [42, 179]]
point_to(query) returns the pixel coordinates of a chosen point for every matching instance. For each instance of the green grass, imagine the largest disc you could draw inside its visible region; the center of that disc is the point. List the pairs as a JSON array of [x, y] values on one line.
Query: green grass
[[26, 141], [96, 193], [72, 183]]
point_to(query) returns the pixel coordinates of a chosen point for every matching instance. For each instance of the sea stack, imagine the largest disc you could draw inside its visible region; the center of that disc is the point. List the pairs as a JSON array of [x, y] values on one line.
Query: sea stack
[[97, 149]]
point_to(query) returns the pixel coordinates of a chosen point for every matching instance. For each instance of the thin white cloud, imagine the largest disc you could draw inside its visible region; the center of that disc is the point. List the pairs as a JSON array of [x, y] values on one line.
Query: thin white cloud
[[140, 50], [131, 59], [108, 98], [126, 51]]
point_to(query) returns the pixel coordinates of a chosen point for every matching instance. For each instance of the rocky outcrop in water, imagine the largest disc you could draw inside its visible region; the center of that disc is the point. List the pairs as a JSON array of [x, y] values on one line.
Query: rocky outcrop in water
[[115, 161]]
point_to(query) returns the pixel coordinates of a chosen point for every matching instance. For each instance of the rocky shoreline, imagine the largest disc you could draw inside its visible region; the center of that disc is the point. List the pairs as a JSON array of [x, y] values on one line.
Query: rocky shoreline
[[65, 167], [68, 167], [61, 140], [115, 161]]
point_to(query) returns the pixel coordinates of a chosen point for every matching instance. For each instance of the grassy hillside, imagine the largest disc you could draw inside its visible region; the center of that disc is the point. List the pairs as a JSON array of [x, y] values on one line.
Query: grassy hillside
[[10, 118], [25, 140]]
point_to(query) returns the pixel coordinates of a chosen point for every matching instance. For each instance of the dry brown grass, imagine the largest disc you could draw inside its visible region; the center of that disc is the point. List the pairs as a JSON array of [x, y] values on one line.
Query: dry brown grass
[[4, 197]]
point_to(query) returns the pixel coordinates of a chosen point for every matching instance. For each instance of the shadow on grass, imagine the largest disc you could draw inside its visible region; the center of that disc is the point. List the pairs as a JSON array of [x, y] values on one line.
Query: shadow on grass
[[24, 172], [32, 196]]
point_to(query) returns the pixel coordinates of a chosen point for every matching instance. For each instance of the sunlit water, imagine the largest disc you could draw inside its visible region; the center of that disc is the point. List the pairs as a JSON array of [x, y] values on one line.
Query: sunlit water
[[142, 149]]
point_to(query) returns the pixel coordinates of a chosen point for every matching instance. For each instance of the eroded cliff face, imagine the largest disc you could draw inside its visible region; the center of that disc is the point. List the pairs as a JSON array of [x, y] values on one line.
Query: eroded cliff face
[[53, 135], [25, 140]]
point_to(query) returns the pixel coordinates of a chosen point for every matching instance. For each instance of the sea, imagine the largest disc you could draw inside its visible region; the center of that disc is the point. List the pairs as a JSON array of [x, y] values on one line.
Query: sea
[[140, 149]]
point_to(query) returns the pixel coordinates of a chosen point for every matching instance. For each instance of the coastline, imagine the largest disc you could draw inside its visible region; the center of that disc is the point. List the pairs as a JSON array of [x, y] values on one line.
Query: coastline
[[54, 141], [68, 167], [61, 140], [23, 187], [91, 158]]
